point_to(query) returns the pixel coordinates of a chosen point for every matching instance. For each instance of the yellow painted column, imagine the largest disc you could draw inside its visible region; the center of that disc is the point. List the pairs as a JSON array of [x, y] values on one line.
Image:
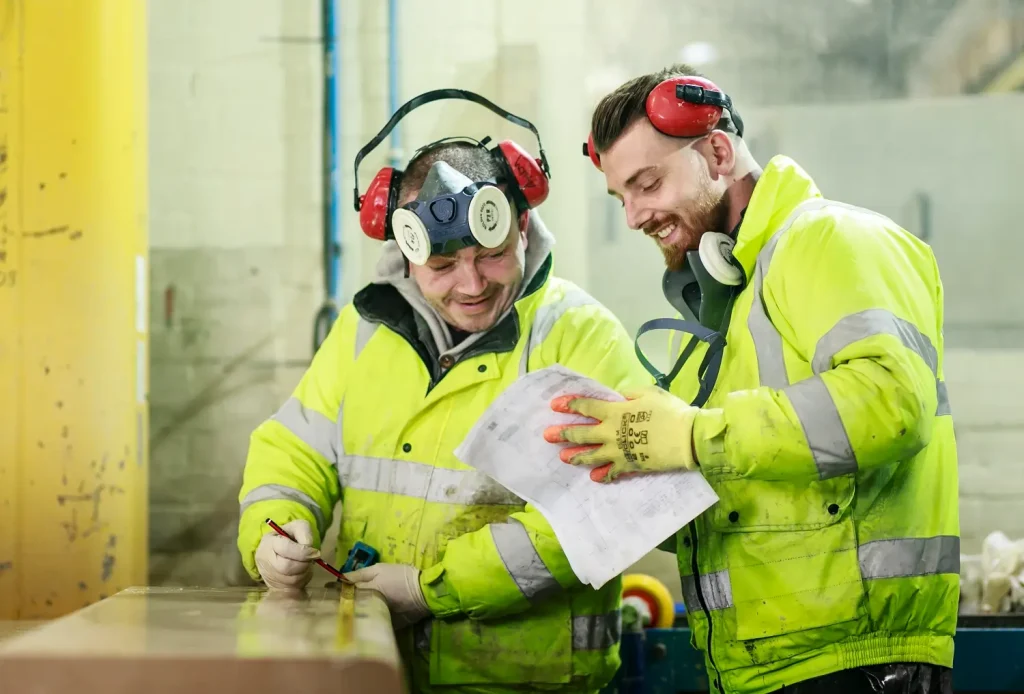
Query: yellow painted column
[[73, 298]]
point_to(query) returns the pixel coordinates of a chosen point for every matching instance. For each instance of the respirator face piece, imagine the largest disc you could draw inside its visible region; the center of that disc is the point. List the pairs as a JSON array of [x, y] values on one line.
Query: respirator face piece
[[709, 278], [703, 291], [451, 212]]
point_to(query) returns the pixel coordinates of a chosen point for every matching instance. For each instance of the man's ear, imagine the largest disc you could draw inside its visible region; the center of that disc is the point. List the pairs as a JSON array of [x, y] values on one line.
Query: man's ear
[[523, 225], [721, 153]]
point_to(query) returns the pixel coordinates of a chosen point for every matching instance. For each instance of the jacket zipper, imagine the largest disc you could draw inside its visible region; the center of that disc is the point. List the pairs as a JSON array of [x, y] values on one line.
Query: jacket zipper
[[717, 682]]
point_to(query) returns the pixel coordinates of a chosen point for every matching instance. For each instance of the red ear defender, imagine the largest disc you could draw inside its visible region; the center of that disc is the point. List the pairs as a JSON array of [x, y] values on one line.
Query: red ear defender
[[591, 151], [686, 106], [373, 208], [526, 172]]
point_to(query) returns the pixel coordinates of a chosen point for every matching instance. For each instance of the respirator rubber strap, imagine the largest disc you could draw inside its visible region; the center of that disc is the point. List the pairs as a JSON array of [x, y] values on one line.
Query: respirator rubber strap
[[699, 333], [711, 364], [707, 372]]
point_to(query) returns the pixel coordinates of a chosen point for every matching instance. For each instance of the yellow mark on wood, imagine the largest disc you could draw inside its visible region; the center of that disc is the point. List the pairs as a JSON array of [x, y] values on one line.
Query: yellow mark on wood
[[345, 636]]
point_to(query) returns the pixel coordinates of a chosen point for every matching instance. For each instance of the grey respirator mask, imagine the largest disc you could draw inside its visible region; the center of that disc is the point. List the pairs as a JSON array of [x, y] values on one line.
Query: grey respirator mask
[[703, 291], [451, 212]]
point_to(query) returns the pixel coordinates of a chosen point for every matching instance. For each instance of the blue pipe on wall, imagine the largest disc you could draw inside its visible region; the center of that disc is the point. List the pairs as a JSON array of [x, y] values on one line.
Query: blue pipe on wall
[[333, 90], [396, 141], [331, 13], [331, 31]]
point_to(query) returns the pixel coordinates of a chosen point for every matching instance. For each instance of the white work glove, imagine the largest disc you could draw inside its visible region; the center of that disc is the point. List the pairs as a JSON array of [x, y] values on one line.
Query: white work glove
[[400, 586], [287, 565]]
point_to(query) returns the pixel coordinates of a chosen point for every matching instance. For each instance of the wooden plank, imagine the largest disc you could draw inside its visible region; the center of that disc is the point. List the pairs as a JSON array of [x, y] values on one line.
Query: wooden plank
[[227, 640], [11, 628]]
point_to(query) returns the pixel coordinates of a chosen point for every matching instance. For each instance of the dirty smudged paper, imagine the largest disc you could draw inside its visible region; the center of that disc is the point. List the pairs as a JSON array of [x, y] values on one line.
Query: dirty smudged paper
[[603, 528]]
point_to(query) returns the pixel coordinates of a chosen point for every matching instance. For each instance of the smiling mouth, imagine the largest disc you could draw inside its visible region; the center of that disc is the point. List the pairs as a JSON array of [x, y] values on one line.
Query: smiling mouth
[[476, 300], [474, 304], [664, 232]]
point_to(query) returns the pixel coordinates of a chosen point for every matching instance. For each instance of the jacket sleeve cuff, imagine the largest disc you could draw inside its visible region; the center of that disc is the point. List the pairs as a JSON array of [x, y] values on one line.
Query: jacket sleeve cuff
[[252, 527], [435, 591], [709, 428]]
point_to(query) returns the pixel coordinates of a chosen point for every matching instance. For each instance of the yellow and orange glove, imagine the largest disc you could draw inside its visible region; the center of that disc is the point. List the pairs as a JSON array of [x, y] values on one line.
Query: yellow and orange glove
[[652, 431]]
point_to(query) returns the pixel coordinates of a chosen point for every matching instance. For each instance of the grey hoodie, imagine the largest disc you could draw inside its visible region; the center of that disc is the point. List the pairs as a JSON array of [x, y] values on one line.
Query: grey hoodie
[[391, 270]]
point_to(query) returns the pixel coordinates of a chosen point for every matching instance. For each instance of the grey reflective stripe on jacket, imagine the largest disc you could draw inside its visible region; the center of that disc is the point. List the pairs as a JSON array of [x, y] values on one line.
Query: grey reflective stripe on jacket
[[278, 492], [364, 331], [318, 432], [546, 316], [595, 632], [313, 428], [894, 558], [811, 400], [434, 484], [522, 561]]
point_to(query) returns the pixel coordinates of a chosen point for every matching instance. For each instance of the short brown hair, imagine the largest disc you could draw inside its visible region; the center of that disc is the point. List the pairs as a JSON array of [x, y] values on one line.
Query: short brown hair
[[627, 104], [470, 159]]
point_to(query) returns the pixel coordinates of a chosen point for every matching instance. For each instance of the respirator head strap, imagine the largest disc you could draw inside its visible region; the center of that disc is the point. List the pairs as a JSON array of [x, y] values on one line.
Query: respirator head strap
[[699, 334], [451, 212]]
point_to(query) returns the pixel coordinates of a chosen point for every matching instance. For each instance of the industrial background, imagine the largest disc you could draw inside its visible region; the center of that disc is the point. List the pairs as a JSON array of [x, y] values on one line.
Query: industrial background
[[163, 309]]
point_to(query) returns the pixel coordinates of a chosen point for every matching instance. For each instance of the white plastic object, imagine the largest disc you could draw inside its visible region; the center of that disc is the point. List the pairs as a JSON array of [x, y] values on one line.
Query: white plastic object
[[971, 580], [999, 554], [411, 236], [1017, 593], [489, 217], [715, 252], [996, 593]]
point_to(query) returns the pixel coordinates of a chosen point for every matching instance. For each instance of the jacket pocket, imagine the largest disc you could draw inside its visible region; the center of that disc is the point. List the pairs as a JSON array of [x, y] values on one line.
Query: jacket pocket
[[753, 505], [531, 647], [786, 582], [791, 553]]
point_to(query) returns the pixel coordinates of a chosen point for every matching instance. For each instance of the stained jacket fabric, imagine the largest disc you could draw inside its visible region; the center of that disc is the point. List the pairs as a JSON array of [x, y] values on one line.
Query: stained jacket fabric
[[374, 423], [829, 440]]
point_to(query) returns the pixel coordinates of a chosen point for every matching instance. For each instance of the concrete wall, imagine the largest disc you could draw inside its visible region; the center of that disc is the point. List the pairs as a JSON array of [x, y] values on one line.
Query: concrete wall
[[236, 200], [235, 246]]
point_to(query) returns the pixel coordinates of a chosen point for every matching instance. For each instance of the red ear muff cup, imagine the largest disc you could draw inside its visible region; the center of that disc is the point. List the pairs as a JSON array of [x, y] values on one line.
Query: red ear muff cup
[[677, 118], [526, 173], [592, 152], [374, 210]]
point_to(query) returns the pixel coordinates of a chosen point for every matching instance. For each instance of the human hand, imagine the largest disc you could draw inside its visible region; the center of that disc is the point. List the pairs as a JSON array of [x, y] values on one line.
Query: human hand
[[400, 586], [652, 431], [285, 564]]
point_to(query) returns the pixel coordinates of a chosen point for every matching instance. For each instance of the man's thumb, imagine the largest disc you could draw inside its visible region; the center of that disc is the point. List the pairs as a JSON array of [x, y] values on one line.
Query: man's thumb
[[364, 575]]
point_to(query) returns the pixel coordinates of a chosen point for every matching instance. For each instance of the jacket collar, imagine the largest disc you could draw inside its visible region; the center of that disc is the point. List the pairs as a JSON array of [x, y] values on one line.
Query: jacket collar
[[782, 186], [382, 303]]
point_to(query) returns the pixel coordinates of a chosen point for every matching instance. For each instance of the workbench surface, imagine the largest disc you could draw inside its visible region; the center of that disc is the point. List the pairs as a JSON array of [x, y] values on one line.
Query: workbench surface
[[156, 640]]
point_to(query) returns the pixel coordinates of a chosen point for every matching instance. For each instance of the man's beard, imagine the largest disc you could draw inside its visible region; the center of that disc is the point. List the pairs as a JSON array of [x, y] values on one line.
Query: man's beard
[[708, 212]]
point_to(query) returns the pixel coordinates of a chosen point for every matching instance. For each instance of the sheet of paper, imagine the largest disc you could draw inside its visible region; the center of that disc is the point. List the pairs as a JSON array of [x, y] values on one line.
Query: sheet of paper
[[603, 528]]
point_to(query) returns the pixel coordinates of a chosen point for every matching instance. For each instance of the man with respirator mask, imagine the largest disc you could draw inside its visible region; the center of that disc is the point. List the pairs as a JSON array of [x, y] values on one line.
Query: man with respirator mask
[[464, 303], [807, 389]]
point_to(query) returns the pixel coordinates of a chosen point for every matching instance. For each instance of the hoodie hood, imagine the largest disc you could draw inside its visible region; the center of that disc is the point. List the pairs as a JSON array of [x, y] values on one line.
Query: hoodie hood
[[391, 271]]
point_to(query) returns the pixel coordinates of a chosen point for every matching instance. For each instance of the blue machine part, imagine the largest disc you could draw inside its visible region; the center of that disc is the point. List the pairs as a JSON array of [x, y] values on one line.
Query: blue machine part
[[987, 659], [359, 557]]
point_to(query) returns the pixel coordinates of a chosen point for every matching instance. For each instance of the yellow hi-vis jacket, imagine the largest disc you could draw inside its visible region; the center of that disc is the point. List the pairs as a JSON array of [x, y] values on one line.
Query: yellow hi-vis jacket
[[374, 423], [828, 438]]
